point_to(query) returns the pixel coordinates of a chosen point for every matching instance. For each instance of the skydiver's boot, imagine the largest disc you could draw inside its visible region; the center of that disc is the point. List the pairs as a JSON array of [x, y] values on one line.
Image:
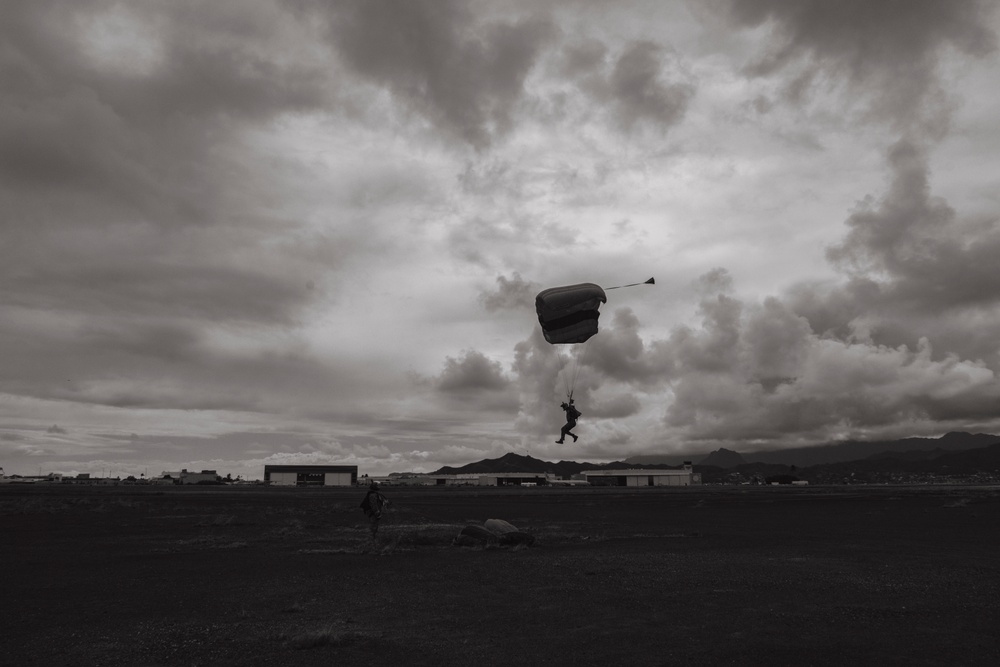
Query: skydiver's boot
[[574, 438], [560, 441]]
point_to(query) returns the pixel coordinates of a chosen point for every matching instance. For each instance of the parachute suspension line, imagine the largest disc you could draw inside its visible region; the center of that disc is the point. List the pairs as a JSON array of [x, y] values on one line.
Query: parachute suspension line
[[651, 281], [568, 385], [577, 363]]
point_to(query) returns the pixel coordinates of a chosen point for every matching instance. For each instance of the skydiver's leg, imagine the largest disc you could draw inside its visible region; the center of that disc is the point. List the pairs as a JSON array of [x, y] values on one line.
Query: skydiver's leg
[[568, 428], [563, 432]]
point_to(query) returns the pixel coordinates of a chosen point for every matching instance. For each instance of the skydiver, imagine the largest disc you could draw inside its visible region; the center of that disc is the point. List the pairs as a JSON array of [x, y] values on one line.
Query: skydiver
[[572, 414], [373, 505]]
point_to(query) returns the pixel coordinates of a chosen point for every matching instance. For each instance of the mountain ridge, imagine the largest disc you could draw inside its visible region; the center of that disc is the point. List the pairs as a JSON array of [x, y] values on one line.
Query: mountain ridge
[[848, 450], [512, 462], [953, 454]]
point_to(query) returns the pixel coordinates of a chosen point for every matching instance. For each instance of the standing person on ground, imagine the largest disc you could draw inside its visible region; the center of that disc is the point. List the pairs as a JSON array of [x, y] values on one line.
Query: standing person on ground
[[572, 414], [373, 505]]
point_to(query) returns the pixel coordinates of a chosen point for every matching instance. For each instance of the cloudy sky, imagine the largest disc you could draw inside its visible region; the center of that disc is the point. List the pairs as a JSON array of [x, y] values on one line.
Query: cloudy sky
[[274, 231]]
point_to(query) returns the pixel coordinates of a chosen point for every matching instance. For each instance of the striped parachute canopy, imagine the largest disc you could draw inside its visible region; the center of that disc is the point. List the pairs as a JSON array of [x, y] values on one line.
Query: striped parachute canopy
[[569, 314]]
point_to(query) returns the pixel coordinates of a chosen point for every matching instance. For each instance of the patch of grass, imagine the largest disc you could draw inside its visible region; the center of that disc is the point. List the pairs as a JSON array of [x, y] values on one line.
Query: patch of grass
[[205, 542], [431, 535], [231, 545], [333, 550], [407, 537], [293, 528], [219, 520], [327, 636]]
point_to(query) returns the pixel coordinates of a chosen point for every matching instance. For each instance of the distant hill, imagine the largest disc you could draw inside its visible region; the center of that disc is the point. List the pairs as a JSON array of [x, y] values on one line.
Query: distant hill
[[970, 461], [723, 458], [954, 454], [512, 462], [851, 450], [982, 459], [854, 450], [912, 455]]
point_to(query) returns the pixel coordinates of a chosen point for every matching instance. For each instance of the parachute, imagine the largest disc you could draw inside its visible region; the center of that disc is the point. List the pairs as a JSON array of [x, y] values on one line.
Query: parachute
[[569, 315]]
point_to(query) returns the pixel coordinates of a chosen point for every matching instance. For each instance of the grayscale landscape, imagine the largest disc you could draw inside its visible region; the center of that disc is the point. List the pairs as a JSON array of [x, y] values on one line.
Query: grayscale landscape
[[698, 301]]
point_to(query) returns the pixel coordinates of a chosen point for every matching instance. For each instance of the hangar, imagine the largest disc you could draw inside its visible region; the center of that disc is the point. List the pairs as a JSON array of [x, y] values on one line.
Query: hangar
[[185, 477], [489, 479], [310, 475], [683, 477], [513, 479]]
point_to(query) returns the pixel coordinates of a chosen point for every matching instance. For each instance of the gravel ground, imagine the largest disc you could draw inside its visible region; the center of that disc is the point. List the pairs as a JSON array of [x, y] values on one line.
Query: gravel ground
[[648, 576]]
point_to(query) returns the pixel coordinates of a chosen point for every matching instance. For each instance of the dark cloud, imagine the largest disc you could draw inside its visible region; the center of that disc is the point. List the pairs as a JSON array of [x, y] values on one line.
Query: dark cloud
[[136, 213], [473, 372], [718, 280], [778, 341], [779, 380], [227, 291], [643, 85], [536, 367], [620, 406], [618, 353], [512, 293], [714, 347], [912, 242], [172, 364], [69, 118], [113, 176], [641, 93], [914, 269], [501, 240], [888, 51], [908, 340], [582, 58], [465, 77]]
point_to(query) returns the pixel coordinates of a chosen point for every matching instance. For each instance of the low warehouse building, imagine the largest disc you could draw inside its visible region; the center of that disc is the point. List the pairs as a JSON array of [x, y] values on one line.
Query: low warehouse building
[[185, 477], [683, 477], [513, 479], [310, 475], [460, 479]]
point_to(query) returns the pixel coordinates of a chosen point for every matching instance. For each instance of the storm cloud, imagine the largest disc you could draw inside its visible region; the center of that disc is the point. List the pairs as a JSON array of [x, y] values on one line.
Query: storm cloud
[[292, 230], [887, 52]]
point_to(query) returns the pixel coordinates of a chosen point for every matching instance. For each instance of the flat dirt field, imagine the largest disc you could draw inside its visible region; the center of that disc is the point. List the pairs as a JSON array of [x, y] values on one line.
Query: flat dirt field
[[647, 576]]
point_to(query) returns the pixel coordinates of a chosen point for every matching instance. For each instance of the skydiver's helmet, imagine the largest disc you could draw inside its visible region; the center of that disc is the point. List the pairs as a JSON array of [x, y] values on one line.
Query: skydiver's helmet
[[374, 486], [563, 405]]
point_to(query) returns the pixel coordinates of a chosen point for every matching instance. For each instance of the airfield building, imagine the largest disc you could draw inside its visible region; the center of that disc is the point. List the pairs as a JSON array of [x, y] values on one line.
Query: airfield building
[[310, 475], [683, 477], [190, 477], [487, 479], [513, 479], [454, 479]]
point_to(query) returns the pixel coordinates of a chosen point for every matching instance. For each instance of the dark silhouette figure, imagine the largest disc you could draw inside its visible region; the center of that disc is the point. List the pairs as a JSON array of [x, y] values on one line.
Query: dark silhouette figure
[[374, 505], [572, 414]]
